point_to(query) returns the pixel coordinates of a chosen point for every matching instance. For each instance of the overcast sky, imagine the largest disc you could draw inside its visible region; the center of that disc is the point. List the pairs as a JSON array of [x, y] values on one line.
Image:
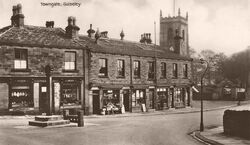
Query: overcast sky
[[220, 25]]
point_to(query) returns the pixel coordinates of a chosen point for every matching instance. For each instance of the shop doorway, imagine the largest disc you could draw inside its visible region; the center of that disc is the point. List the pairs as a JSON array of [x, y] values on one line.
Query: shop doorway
[[96, 102], [42, 98], [126, 100], [171, 94], [151, 99]]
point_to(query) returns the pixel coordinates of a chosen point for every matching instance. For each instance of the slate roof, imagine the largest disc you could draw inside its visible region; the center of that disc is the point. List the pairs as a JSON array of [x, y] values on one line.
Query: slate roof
[[123, 47], [37, 36]]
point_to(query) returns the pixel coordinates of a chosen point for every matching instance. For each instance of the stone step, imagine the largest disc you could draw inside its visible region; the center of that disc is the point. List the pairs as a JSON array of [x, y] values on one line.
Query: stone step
[[48, 118], [64, 125], [48, 123]]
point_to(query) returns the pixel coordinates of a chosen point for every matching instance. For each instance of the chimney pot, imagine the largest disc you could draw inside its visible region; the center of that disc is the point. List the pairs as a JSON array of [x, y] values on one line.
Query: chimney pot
[[50, 24], [17, 19], [72, 30]]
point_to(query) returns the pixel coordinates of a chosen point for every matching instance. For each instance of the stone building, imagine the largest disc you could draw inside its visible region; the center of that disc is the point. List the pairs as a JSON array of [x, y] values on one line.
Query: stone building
[[91, 71]]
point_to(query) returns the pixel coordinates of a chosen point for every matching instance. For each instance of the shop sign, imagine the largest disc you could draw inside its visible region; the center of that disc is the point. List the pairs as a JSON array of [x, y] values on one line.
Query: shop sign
[[151, 87], [94, 88], [44, 89]]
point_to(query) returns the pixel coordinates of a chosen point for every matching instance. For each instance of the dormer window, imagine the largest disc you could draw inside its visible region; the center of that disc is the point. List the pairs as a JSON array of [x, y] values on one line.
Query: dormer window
[[21, 57]]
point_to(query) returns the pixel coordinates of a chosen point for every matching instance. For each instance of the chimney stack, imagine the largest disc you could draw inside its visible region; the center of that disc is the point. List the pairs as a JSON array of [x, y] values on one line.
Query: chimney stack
[[104, 34], [91, 32], [17, 19], [122, 35], [97, 35], [146, 38], [72, 30], [50, 24]]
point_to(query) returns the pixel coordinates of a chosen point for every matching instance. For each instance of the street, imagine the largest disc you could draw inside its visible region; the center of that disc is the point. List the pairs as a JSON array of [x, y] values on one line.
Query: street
[[171, 129]]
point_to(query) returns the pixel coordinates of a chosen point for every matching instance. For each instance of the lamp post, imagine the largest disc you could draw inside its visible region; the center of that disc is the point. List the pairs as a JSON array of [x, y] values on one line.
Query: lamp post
[[202, 76]]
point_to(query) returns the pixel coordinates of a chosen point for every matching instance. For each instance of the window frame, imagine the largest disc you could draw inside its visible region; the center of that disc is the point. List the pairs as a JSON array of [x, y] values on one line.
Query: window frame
[[137, 73], [120, 68], [185, 70], [105, 74], [175, 70], [151, 74], [163, 71], [20, 59], [75, 61]]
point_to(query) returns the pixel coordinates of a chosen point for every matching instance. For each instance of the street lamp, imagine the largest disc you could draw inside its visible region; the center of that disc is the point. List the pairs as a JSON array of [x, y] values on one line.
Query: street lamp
[[202, 76]]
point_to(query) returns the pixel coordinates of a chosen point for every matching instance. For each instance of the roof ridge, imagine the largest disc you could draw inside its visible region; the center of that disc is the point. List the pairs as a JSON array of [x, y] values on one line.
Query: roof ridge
[[5, 31]]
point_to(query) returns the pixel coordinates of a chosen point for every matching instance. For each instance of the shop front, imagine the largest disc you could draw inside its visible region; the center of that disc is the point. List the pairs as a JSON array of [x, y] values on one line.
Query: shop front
[[21, 97], [28, 94], [162, 98], [108, 99], [67, 94], [181, 97], [138, 98]]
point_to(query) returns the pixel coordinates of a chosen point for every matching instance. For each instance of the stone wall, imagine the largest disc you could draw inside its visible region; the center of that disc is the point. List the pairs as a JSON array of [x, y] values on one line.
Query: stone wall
[[236, 123], [38, 58], [112, 70]]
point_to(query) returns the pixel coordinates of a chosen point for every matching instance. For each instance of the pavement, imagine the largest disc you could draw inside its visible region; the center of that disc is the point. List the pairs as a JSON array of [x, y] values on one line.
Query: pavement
[[207, 105], [215, 135]]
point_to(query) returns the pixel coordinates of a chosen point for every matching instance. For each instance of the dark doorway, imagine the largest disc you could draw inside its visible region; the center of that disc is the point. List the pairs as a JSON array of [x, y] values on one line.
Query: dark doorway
[[151, 99], [96, 102], [42, 98], [126, 100], [171, 93]]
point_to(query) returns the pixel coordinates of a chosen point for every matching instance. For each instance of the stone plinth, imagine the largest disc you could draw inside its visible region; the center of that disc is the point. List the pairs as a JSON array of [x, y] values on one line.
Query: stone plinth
[[45, 121]]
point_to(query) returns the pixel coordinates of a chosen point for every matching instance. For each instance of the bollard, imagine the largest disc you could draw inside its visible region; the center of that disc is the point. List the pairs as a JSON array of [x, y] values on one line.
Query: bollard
[[80, 118], [65, 114]]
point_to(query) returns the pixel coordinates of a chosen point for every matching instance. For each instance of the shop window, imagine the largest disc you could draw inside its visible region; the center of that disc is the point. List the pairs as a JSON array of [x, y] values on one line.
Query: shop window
[[185, 70], [20, 97], [103, 67], [151, 70], [137, 69], [70, 60], [179, 95], [111, 97], [175, 71], [120, 68], [138, 97], [70, 94], [162, 98], [21, 57], [163, 70]]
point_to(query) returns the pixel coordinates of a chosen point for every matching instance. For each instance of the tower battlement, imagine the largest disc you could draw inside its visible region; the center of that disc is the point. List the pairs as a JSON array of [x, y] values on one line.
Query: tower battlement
[[174, 33], [178, 18]]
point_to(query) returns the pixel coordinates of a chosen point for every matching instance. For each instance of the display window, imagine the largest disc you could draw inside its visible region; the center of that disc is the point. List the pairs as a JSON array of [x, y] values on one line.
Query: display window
[[20, 97], [138, 97], [179, 95], [111, 97], [70, 94], [162, 97]]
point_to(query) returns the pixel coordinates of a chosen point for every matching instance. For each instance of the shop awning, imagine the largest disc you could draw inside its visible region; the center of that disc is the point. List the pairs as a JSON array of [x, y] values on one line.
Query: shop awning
[[195, 89]]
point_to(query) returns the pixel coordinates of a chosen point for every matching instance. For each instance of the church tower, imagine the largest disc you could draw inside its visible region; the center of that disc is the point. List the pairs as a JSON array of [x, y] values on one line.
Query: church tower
[[174, 33]]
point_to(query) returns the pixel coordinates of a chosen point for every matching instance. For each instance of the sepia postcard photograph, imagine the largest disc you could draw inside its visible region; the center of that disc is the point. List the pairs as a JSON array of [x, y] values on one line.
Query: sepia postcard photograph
[[125, 72]]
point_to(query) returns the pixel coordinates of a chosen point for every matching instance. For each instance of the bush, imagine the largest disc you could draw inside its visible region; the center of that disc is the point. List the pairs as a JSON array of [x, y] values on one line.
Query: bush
[[236, 123]]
